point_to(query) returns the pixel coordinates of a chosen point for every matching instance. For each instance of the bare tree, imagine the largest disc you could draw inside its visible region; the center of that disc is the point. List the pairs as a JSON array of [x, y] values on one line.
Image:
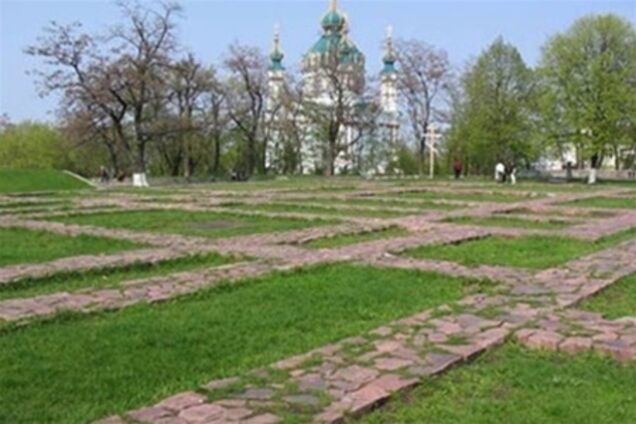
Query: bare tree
[[341, 115], [89, 83], [145, 44], [248, 87], [423, 77]]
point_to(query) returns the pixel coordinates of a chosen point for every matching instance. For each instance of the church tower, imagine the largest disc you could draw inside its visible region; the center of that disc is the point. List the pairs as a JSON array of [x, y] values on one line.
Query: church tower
[[389, 91], [274, 106], [276, 73]]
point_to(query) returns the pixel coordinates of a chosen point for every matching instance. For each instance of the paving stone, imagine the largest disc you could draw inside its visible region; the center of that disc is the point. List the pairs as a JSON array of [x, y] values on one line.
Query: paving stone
[[366, 398], [202, 413], [385, 346], [576, 344], [356, 374], [465, 351], [302, 400], [257, 394], [544, 340], [393, 383], [149, 414], [391, 364], [619, 351], [310, 382], [170, 420], [263, 419], [182, 401], [236, 414], [441, 361]]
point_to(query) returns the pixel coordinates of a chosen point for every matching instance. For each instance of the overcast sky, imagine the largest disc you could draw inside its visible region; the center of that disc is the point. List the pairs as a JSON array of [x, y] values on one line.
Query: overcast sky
[[463, 28]]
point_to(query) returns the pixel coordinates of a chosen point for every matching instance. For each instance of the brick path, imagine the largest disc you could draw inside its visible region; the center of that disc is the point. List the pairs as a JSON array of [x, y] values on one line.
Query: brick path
[[351, 376]]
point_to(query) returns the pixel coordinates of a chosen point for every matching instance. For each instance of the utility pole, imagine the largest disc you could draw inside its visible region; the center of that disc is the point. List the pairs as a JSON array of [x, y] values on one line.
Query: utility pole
[[431, 142]]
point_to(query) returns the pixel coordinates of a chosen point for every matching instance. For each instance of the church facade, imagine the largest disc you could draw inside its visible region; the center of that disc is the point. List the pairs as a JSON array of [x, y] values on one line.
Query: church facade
[[333, 82]]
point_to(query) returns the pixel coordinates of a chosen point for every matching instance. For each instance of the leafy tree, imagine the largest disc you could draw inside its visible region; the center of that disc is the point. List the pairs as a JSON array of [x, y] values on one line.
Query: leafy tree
[[492, 116], [589, 86], [32, 145]]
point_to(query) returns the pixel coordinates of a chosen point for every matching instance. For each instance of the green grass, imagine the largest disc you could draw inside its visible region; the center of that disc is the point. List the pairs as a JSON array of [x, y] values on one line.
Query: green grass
[[347, 239], [535, 252], [512, 222], [467, 197], [310, 209], [616, 301], [208, 224], [25, 246], [514, 385], [29, 180], [106, 278], [77, 368], [606, 202], [380, 202]]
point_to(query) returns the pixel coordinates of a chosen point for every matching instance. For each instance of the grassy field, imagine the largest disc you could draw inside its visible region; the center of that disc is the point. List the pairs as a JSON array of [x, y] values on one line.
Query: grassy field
[[513, 385], [19, 246], [106, 278], [207, 224], [606, 202], [616, 301], [380, 202], [311, 209], [78, 368], [30, 180], [536, 252]]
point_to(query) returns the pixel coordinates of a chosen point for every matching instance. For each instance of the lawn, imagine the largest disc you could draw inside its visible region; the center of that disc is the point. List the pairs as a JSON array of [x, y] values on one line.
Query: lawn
[[76, 368], [318, 210], [512, 222], [347, 239], [616, 301], [18, 246], [466, 197], [207, 224], [106, 278], [30, 180], [536, 252], [379, 202], [514, 385], [606, 202]]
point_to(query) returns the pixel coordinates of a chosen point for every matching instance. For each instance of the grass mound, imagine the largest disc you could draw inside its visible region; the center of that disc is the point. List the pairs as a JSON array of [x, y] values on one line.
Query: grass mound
[[31, 180]]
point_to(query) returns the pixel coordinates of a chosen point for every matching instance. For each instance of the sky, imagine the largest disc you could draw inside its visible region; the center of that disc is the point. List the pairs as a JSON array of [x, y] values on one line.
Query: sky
[[462, 27]]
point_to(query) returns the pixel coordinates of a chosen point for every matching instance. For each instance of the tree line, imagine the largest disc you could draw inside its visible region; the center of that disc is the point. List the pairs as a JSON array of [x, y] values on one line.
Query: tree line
[[131, 100]]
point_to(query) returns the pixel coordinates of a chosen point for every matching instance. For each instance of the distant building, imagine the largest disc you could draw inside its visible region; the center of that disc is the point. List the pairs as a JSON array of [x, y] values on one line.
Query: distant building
[[335, 45]]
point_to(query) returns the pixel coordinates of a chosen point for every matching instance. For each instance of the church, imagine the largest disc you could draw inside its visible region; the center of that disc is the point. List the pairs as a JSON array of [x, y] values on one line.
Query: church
[[333, 79]]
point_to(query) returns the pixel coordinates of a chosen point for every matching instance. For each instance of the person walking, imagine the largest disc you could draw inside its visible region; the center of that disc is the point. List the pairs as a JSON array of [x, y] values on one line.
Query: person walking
[[458, 168]]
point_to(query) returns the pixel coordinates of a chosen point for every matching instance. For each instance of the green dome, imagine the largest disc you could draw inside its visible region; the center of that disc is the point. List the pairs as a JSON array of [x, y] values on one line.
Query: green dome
[[277, 58], [389, 60], [347, 51], [333, 21]]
